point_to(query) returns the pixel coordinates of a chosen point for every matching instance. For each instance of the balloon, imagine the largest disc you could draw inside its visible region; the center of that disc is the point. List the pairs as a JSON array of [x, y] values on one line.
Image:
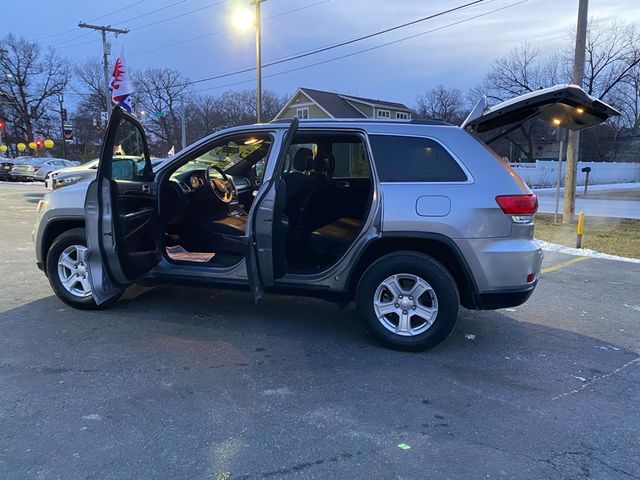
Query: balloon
[[32, 145], [3, 148], [48, 143], [22, 147]]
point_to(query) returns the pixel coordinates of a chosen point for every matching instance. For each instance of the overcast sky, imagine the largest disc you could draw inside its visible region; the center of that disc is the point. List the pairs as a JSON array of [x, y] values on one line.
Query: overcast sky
[[456, 55]]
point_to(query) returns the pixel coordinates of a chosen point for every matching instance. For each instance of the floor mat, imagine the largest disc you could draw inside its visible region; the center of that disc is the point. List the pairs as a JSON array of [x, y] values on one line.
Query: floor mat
[[178, 253]]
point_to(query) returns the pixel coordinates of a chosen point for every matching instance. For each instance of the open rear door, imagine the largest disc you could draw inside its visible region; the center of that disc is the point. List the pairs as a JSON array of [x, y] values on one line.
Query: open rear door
[[566, 106], [268, 225], [121, 210]]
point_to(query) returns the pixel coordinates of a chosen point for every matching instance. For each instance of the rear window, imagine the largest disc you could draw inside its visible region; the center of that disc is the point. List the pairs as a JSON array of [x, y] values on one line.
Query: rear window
[[413, 159]]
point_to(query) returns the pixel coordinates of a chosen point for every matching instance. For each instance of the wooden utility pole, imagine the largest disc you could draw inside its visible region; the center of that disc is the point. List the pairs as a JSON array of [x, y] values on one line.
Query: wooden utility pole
[[106, 50], [573, 138]]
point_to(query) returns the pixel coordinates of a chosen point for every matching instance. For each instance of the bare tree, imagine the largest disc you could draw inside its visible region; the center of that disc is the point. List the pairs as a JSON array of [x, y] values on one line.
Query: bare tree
[[442, 103], [160, 94], [89, 85], [520, 72], [30, 81], [612, 53], [206, 114]]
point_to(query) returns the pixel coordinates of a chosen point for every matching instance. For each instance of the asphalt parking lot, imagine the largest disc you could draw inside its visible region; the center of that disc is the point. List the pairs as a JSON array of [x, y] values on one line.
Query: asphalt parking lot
[[177, 382]]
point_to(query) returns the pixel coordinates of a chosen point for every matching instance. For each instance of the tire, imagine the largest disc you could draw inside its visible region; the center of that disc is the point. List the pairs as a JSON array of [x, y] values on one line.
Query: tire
[[66, 242], [397, 320]]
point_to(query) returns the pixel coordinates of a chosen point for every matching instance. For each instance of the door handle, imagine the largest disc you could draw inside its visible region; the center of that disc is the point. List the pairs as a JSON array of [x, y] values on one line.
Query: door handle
[[343, 184], [146, 188]]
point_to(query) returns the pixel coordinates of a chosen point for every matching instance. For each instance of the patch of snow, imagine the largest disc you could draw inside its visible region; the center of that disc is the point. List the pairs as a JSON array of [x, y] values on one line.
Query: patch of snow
[[582, 252], [633, 307], [510, 309], [92, 416], [582, 379], [469, 336], [277, 391]]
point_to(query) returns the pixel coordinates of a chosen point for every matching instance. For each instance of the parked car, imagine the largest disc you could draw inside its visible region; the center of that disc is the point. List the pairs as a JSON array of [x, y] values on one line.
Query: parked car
[[35, 169], [7, 164], [70, 175], [411, 219]]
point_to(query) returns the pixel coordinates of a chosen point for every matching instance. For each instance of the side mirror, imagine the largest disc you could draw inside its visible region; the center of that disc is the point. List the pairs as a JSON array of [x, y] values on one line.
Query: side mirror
[[123, 169]]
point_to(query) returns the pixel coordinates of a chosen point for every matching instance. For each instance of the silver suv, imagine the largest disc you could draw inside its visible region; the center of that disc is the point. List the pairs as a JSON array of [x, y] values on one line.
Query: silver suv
[[410, 219]]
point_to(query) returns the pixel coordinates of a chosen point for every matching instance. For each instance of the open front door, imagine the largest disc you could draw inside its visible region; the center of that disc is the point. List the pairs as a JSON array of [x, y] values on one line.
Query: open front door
[[268, 225], [121, 210]]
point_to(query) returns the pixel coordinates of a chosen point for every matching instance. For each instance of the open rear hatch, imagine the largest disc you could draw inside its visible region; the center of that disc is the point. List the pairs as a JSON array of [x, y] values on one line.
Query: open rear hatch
[[567, 106]]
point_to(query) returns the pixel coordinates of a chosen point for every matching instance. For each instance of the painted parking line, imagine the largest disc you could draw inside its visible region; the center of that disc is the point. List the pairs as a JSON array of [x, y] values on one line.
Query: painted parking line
[[553, 268]]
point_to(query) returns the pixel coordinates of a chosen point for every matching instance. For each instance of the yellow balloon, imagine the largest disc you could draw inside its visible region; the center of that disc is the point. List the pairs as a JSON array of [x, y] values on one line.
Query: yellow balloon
[[3, 148], [22, 147], [48, 143], [32, 145]]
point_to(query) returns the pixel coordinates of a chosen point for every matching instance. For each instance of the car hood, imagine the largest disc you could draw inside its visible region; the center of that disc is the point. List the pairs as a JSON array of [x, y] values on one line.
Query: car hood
[[567, 106], [70, 170]]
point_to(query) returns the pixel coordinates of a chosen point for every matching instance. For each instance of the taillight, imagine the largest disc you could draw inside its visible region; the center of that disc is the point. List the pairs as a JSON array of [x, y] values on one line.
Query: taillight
[[520, 207], [518, 204]]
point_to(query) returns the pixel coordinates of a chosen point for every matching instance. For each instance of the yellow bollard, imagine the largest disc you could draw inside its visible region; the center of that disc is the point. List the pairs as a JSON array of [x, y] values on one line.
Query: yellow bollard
[[579, 229]]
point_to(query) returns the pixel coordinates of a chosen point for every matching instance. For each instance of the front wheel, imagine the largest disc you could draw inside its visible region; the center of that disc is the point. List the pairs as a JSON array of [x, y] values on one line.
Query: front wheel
[[67, 269], [408, 301]]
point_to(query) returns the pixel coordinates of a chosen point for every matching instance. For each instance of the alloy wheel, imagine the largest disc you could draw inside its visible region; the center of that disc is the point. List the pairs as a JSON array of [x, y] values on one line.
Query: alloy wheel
[[405, 304], [72, 271]]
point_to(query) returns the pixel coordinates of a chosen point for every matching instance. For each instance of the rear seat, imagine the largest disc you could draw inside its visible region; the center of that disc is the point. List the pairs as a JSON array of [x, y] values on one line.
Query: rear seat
[[335, 238]]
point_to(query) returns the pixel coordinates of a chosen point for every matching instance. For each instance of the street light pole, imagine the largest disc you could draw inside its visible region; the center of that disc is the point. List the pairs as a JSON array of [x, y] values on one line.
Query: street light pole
[[258, 59]]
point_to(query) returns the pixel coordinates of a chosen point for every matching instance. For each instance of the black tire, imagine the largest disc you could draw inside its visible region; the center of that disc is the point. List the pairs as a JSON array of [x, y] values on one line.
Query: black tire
[[425, 267], [75, 236]]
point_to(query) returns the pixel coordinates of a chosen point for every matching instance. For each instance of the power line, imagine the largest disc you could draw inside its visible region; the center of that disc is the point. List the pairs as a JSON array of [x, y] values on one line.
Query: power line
[[367, 49], [178, 16], [151, 12], [148, 24], [340, 44], [91, 20], [207, 35]]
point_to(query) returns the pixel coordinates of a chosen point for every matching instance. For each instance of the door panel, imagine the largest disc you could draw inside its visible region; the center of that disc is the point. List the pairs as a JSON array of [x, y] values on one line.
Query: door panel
[[123, 225], [268, 225]]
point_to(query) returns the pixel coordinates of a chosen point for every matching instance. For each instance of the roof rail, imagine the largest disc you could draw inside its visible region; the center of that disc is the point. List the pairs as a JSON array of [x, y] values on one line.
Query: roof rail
[[412, 121]]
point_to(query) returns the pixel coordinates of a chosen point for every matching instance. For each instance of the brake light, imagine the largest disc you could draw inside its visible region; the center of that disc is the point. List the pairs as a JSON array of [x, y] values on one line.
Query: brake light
[[518, 204]]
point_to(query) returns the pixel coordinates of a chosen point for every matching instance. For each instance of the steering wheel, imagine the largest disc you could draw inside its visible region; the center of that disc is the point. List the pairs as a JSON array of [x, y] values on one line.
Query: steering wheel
[[223, 188]]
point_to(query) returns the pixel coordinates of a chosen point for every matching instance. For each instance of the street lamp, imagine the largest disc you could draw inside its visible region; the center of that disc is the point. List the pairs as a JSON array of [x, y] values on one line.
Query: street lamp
[[243, 20]]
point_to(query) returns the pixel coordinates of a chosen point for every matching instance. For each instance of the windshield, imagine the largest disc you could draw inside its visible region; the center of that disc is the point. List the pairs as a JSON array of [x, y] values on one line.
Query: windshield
[[227, 154]]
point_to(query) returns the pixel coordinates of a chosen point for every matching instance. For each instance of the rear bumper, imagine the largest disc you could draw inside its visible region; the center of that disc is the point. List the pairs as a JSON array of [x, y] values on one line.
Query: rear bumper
[[496, 300]]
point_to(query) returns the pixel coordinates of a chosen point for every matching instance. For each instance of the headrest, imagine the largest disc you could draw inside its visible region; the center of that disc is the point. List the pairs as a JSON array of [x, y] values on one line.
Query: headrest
[[324, 163], [303, 160]]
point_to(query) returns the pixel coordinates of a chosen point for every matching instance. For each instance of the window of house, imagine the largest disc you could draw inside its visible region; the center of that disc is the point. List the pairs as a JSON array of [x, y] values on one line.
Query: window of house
[[414, 159], [302, 113], [402, 115], [383, 113]]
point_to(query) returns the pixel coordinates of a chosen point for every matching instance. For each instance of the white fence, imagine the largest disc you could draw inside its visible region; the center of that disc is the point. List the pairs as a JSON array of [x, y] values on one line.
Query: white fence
[[544, 173]]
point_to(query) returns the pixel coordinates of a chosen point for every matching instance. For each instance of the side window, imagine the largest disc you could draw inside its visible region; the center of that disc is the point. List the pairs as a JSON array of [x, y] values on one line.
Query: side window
[[129, 160], [413, 159], [350, 160]]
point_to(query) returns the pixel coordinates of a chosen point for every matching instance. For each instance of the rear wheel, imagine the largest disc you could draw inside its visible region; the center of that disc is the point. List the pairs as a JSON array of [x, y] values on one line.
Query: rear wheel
[[408, 301], [67, 269]]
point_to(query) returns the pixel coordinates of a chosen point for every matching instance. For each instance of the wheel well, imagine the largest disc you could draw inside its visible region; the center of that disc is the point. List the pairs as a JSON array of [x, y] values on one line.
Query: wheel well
[[446, 254], [55, 229]]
